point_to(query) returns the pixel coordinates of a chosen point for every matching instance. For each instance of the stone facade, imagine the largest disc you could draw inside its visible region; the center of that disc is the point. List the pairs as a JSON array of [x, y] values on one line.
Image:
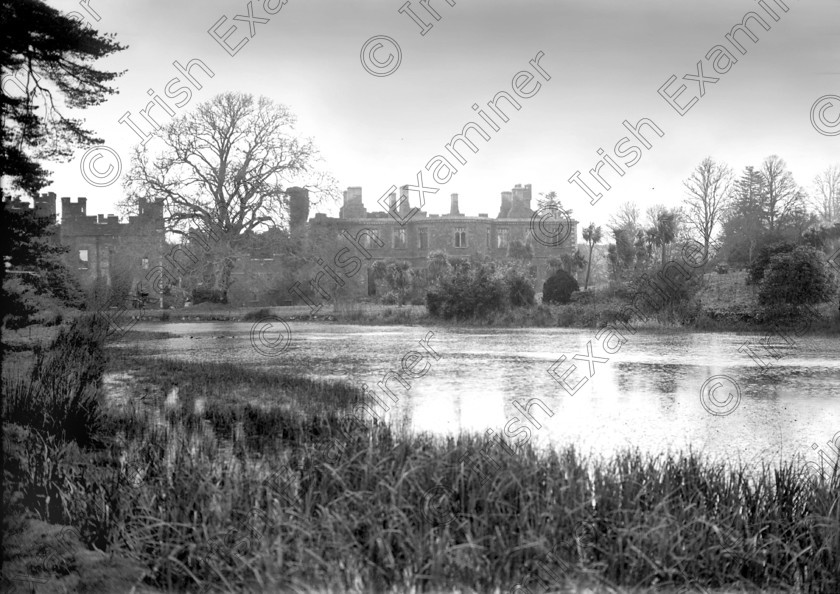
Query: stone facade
[[102, 250], [124, 256], [44, 205], [455, 233]]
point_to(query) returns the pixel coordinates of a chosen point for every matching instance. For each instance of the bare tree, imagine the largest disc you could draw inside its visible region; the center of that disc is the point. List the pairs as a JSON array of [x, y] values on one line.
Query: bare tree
[[783, 195], [627, 217], [224, 168], [708, 188], [827, 196]]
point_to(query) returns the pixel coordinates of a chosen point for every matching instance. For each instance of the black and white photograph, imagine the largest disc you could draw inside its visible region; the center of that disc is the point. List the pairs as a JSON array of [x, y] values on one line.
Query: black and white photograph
[[420, 296]]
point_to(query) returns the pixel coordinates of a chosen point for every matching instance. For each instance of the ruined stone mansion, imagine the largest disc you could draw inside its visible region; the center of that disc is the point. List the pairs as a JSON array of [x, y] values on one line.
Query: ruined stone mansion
[[455, 233], [110, 253], [99, 244]]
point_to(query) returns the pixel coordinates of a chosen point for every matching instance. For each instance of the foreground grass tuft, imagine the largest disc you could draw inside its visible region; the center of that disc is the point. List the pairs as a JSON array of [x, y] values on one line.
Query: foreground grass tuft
[[58, 394]]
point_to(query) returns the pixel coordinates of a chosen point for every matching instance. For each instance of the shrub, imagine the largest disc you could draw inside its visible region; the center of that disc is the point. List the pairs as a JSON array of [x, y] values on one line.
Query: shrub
[[253, 316], [762, 260], [520, 289], [797, 277], [559, 287], [467, 292], [391, 298], [202, 294]]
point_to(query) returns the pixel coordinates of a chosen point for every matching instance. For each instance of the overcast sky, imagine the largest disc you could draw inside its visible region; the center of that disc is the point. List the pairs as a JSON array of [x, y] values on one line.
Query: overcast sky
[[606, 62]]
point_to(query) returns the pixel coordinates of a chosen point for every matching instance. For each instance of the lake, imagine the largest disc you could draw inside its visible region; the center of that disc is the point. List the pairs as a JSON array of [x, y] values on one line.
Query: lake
[[647, 394]]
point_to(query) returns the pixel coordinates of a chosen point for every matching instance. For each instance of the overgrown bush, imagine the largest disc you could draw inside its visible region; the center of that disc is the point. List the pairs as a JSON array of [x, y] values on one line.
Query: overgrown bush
[[762, 260], [391, 298], [797, 277], [558, 288], [520, 288], [398, 278], [253, 316], [206, 294], [467, 292]]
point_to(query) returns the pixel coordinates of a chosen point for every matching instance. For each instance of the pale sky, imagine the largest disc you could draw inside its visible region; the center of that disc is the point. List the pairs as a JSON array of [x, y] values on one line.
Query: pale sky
[[606, 62]]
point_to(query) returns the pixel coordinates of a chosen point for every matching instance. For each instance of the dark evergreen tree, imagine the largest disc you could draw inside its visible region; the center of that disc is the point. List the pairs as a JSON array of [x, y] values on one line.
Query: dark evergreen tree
[[559, 287], [47, 51], [32, 265]]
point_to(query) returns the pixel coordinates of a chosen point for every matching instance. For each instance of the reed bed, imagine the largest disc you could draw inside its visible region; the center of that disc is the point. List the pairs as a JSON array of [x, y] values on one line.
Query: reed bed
[[280, 504]]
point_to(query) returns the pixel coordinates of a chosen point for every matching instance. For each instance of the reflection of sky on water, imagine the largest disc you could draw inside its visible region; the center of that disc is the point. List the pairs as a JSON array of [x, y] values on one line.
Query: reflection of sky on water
[[646, 395]]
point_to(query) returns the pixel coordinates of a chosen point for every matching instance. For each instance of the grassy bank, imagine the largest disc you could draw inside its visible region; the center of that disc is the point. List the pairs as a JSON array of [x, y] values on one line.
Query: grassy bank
[[539, 316], [724, 304], [246, 480]]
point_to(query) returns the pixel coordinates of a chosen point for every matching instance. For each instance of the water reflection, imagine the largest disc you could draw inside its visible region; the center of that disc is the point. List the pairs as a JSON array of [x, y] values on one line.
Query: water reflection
[[646, 395]]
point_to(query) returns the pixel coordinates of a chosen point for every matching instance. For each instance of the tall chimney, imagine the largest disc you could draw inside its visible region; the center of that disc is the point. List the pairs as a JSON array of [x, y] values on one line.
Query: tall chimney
[[506, 203], [453, 205], [392, 202], [298, 207], [404, 205]]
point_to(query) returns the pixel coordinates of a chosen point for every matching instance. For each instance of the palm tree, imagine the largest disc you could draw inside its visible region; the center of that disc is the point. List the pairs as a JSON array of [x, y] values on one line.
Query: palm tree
[[591, 235], [664, 229]]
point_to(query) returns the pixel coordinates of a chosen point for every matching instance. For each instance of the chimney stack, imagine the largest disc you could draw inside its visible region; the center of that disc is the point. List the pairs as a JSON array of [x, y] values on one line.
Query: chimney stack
[[404, 205], [506, 203], [453, 205]]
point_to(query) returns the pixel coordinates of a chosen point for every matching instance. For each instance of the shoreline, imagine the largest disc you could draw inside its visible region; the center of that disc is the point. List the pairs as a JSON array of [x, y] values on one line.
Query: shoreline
[[413, 315]]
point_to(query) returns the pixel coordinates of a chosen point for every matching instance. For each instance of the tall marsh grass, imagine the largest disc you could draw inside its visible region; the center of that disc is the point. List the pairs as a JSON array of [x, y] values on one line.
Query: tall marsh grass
[[357, 513], [58, 395]]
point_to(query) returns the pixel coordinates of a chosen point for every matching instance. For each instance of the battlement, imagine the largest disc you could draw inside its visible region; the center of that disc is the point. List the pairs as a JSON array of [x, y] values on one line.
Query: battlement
[[72, 210], [76, 222], [44, 205]]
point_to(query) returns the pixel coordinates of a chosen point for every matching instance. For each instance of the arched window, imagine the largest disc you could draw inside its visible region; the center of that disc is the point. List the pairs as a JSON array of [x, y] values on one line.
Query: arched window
[[460, 237]]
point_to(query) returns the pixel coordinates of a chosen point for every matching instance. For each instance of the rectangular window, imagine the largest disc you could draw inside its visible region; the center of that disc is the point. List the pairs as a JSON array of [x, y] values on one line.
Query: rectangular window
[[144, 263], [488, 237], [423, 238], [368, 242], [503, 237], [83, 256], [399, 238]]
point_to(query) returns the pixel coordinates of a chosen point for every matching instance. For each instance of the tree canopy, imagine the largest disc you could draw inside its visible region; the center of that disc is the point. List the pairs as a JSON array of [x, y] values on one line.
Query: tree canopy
[[50, 56], [32, 266], [226, 167]]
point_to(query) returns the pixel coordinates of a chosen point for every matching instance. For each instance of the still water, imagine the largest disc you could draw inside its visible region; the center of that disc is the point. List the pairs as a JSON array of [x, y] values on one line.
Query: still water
[[645, 395]]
